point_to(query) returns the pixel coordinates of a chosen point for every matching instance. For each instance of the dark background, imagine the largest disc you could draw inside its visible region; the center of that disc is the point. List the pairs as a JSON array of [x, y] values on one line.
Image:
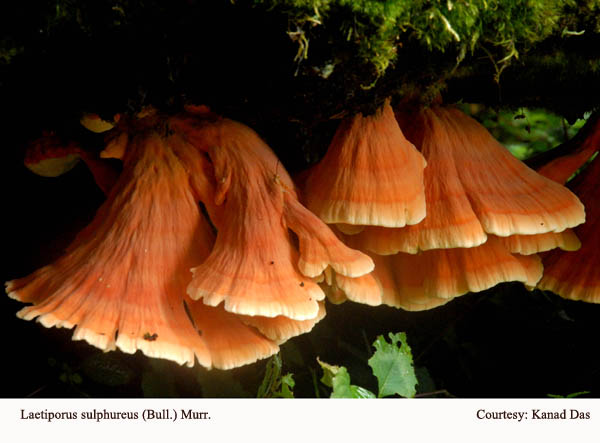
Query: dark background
[[504, 342]]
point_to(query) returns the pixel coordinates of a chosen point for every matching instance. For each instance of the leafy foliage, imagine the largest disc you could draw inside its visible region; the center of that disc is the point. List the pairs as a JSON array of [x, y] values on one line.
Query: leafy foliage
[[527, 131], [275, 385], [393, 366], [571, 395], [337, 378]]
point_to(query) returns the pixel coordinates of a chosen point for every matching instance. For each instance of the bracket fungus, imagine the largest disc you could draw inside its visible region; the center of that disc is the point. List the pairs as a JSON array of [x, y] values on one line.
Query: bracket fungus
[[254, 266], [94, 123], [50, 156], [581, 148], [487, 216], [432, 278], [122, 282], [576, 275], [559, 169], [473, 187], [370, 175], [442, 274]]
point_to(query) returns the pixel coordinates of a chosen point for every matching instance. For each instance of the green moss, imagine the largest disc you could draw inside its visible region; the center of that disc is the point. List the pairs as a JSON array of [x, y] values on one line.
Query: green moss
[[379, 29]]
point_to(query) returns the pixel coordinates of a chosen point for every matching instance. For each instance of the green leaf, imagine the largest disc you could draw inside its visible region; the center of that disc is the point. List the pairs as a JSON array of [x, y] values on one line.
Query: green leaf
[[274, 384], [393, 366], [287, 386], [572, 395], [337, 378]]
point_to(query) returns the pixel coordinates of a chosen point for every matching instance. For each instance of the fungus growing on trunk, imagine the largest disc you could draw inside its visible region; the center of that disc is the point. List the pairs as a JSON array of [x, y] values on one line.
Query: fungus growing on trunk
[[473, 187], [122, 282], [254, 268], [370, 175], [476, 191], [576, 275]]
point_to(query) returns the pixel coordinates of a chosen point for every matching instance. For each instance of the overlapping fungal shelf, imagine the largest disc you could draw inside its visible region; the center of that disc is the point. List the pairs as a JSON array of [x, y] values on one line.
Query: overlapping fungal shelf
[[150, 274], [206, 251], [576, 275], [487, 213]]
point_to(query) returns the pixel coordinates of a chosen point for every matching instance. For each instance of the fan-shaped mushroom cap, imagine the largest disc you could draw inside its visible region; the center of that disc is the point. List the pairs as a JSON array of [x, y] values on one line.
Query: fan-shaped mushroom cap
[[532, 244], [49, 156], [251, 267], [392, 294], [122, 282], [362, 289], [473, 186], [349, 229], [559, 170], [509, 198], [339, 288], [450, 220], [229, 340], [371, 175], [432, 278], [94, 123], [319, 246], [562, 168], [280, 328], [576, 275], [115, 145], [254, 267]]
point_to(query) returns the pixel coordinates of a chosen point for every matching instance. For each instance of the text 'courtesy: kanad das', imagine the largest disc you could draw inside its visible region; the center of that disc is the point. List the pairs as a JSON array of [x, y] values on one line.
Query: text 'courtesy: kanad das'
[[534, 414]]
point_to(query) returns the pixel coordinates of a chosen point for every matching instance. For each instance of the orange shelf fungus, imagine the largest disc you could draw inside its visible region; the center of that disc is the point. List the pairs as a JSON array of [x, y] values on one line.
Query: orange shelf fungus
[[280, 328], [532, 244], [487, 215], [254, 267], [562, 168], [473, 187], [581, 148], [364, 289], [94, 123], [122, 282], [340, 288], [422, 281], [576, 275], [49, 156], [370, 175]]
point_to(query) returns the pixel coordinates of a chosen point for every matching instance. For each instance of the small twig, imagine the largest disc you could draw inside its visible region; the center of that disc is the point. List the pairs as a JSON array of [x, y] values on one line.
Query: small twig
[[429, 394], [36, 391]]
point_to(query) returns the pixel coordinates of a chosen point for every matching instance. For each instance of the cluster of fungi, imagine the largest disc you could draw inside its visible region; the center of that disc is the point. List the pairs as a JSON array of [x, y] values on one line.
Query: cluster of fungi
[[206, 249]]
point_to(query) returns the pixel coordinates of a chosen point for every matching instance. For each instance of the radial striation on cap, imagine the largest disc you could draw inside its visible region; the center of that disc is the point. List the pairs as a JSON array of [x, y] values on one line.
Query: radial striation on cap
[[473, 187], [370, 175], [508, 197], [576, 275], [281, 328], [432, 278], [122, 282]]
